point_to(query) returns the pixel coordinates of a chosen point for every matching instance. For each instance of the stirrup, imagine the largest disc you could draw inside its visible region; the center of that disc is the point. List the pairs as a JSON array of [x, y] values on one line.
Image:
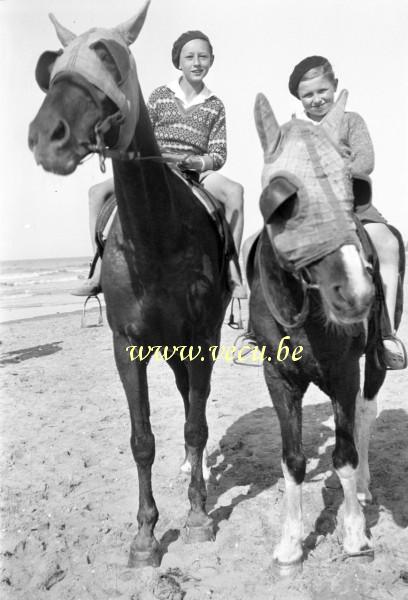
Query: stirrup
[[396, 359], [232, 322], [245, 340], [99, 322]]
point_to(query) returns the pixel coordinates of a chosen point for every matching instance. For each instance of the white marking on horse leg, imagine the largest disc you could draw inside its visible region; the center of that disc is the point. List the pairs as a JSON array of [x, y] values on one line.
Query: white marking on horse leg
[[289, 549], [186, 466], [354, 269], [355, 538], [366, 413]]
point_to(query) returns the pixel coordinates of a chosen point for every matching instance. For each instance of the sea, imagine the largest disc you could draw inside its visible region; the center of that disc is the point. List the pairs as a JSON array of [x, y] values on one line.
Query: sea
[[39, 287]]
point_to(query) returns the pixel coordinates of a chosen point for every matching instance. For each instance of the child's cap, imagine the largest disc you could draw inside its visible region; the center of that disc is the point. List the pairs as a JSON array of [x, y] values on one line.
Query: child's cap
[[183, 40], [311, 62]]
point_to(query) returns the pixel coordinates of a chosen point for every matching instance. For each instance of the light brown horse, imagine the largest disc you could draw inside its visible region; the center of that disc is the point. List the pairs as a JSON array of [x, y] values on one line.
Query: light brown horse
[[309, 280], [164, 274]]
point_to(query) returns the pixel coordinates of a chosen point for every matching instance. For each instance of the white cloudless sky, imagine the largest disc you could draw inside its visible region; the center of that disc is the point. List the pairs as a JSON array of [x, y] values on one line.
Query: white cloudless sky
[[256, 45]]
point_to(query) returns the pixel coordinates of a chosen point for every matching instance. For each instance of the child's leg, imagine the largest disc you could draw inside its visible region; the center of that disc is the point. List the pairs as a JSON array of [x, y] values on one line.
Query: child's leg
[[387, 248], [97, 195], [231, 194]]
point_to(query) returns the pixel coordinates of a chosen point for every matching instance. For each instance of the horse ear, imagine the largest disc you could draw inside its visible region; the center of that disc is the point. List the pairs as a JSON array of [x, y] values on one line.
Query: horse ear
[[332, 121], [44, 68], [65, 36], [130, 29], [267, 126]]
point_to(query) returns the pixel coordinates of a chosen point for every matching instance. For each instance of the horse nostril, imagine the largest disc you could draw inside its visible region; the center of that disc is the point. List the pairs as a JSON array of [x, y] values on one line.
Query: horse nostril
[[369, 270], [338, 292], [32, 141], [32, 137], [343, 297], [60, 133]]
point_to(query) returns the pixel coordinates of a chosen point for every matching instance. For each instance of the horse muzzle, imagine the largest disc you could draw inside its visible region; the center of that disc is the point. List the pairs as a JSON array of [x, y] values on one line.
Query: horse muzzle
[[52, 148], [348, 308], [348, 298]]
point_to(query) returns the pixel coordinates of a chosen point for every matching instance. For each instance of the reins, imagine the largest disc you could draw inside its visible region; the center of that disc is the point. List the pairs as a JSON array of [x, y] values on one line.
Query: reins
[[105, 152]]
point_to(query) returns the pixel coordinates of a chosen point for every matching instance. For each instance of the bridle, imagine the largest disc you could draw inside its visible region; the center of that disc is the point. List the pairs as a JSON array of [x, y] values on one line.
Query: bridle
[[104, 152], [103, 126], [306, 283]]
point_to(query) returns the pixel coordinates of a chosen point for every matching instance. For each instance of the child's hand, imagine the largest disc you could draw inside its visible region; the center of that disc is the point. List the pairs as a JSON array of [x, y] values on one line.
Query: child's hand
[[192, 163]]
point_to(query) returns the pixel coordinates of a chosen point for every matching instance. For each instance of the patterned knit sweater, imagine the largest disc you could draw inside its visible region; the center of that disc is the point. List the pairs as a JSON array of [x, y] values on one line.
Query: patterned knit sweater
[[199, 129]]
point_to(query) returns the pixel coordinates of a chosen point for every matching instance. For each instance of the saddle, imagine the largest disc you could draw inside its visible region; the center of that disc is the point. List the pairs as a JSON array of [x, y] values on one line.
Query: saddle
[[213, 207]]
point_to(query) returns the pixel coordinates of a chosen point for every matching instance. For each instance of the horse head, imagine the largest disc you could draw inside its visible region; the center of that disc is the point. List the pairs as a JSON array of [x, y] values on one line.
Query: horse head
[[307, 205], [92, 89]]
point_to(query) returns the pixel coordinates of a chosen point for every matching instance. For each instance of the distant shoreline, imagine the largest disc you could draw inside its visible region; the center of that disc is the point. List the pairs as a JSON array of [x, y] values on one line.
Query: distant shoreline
[[38, 287], [86, 257]]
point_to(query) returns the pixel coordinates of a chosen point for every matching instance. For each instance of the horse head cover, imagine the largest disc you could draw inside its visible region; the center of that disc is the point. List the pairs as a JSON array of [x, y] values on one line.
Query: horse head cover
[[80, 58], [307, 198]]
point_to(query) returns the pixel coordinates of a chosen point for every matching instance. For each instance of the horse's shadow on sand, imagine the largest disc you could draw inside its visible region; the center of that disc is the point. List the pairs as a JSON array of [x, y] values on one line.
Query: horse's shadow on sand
[[389, 467], [249, 457]]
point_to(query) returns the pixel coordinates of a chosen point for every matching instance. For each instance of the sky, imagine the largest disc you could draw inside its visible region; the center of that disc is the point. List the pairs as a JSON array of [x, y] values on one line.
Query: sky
[[256, 45]]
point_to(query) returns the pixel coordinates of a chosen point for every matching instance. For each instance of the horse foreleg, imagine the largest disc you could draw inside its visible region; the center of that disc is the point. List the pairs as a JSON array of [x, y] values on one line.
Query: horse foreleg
[[355, 540], [287, 401], [288, 554], [345, 459], [199, 526], [145, 549], [366, 413], [186, 464]]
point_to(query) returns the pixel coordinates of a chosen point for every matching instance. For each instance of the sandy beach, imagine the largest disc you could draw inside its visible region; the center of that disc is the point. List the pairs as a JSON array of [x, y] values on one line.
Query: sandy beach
[[69, 485]]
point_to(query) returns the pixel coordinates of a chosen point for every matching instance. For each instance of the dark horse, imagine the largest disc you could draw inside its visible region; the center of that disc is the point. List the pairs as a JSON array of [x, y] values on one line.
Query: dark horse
[[164, 275], [310, 281]]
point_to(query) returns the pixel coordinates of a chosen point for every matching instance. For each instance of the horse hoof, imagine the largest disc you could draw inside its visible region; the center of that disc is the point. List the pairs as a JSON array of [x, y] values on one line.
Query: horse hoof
[[144, 558], [203, 533], [288, 569]]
